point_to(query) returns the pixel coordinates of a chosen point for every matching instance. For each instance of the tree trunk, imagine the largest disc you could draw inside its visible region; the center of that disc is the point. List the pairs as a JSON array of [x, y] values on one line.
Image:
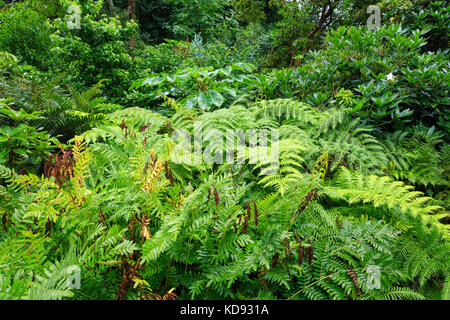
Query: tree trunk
[[112, 7], [131, 14], [326, 14]]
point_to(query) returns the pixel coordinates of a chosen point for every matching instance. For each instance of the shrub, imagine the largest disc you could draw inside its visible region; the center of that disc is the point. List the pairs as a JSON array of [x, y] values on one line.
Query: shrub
[[99, 50], [26, 34]]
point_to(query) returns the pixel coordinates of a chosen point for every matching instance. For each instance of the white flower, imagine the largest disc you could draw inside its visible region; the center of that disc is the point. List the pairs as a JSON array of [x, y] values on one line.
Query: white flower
[[390, 77]]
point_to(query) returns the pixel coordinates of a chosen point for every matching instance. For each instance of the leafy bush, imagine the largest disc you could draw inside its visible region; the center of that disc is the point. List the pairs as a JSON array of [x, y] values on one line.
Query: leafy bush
[[424, 15], [391, 82], [99, 50], [165, 57], [204, 88], [22, 146], [24, 33], [195, 16]]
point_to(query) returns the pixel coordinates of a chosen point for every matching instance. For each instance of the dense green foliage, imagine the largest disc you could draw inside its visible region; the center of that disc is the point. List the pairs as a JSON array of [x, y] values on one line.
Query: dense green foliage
[[90, 176]]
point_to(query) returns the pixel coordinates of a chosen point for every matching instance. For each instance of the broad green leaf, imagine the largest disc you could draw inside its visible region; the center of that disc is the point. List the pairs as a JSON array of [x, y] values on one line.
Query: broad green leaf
[[152, 81], [205, 101], [216, 98]]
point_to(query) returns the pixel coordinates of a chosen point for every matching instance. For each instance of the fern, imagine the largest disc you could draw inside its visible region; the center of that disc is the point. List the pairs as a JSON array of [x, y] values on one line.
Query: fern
[[446, 289], [380, 191]]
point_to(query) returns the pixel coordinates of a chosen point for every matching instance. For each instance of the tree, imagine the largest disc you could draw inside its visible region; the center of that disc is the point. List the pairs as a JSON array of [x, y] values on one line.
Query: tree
[[249, 10], [132, 14], [304, 22]]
